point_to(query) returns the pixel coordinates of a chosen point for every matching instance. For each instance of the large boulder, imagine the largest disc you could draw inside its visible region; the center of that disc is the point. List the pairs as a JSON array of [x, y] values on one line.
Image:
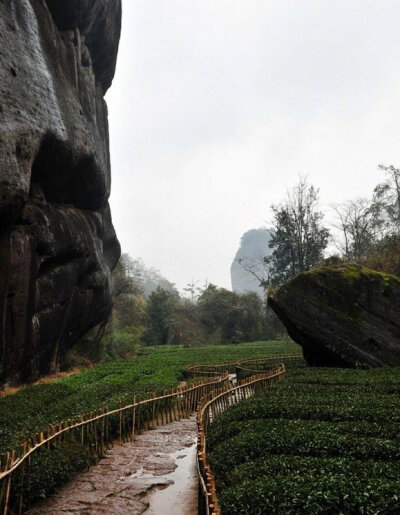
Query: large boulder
[[57, 242], [345, 315]]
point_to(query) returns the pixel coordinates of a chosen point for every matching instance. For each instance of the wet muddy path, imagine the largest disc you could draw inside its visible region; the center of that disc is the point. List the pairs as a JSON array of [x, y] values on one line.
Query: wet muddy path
[[156, 475]]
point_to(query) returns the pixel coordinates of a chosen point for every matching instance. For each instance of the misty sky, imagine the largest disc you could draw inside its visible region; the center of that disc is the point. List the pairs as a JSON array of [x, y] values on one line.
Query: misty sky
[[218, 105]]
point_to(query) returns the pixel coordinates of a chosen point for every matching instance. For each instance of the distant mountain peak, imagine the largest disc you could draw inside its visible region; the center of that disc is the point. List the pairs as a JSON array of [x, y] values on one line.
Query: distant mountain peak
[[253, 247]]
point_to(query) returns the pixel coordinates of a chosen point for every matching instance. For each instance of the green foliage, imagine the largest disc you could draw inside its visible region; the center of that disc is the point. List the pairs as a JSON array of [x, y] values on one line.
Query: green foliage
[[160, 314], [33, 408], [299, 239], [323, 441], [123, 343], [234, 318], [50, 468], [312, 491], [186, 327]]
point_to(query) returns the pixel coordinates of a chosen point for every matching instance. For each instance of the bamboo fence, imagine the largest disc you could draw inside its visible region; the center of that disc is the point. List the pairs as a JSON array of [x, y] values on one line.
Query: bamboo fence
[[242, 368], [96, 431], [250, 367], [211, 406]]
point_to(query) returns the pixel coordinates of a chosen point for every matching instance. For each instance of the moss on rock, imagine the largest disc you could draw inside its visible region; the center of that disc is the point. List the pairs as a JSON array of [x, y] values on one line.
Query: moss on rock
[[344, 315]]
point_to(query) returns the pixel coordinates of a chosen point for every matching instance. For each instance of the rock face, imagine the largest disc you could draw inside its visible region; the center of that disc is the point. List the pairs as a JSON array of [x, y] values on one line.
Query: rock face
[[57, 242], [253, 247], [344, 315]]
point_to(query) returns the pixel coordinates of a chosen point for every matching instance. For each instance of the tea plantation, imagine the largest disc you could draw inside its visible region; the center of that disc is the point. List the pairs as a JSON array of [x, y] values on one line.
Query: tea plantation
[[323, 441], [33, 408]]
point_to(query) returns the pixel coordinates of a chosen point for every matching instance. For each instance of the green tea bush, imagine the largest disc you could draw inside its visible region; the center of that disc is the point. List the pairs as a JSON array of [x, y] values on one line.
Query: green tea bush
[[33, 408], [323, 441], [308, 494]]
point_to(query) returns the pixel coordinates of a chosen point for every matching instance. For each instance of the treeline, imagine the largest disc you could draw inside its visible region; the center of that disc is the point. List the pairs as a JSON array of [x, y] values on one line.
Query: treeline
[[149, 310], [369, 228], [159, 315], [365, 231]]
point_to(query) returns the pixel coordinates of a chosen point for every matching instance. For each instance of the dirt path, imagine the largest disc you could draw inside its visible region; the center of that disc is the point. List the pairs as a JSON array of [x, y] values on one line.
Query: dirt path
[[155, 474]]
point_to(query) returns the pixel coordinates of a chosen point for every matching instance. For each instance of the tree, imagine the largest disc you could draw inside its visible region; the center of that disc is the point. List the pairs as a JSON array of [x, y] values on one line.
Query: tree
[[160, 315], [359, 228], [258, 268], [386, 200], [149, 278], [229, 317], [193, 290], [128, 304], [186, 327], [299, 238], [251, 316]]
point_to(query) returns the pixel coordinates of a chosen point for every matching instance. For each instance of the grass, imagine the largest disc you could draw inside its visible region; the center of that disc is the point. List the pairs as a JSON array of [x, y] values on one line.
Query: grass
[[323, 441], [33, 408]]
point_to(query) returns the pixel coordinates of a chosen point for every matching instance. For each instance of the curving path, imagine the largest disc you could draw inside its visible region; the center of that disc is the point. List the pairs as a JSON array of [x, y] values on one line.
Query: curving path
[[156, 475]]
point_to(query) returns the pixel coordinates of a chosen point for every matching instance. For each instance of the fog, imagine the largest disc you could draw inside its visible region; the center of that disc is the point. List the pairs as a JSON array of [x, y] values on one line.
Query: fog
[[217, 106]]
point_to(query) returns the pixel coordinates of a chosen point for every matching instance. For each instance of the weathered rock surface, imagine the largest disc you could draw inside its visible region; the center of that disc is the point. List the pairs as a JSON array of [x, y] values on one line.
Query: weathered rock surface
[[344, 315], [247, 267], [57, 242]]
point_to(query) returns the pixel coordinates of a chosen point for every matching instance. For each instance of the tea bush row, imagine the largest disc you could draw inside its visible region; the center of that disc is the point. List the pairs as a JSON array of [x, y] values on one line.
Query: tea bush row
[[322, 441], [33, 408]]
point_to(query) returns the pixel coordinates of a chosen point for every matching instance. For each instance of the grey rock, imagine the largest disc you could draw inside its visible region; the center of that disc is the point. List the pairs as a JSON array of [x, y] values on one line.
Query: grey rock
[[346, 315], [57, 242], [253, 248]]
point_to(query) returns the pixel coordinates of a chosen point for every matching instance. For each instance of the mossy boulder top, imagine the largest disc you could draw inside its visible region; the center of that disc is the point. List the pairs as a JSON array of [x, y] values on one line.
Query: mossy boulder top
[[345, 315]]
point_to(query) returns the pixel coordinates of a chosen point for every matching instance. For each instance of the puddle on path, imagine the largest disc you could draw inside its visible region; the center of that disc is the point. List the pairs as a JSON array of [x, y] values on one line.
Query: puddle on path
[[181, 496]]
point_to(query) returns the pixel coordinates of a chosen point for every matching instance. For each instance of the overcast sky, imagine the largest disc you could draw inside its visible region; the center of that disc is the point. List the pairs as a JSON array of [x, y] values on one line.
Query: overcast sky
[[218, 105]]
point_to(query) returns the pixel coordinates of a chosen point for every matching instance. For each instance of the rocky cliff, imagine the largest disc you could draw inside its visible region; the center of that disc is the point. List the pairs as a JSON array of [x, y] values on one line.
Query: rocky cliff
[[57, 242], [253, 248], [345, 315]]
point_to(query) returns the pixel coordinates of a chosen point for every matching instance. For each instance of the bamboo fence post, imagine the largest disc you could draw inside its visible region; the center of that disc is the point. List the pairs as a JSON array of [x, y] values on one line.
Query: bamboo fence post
[[22, 479], [133, 417], [162, 411], [8, 487], [176, 399], [120, 422], [167, 409], [171, 406], [160, 419], [145, 416], [153, 411]]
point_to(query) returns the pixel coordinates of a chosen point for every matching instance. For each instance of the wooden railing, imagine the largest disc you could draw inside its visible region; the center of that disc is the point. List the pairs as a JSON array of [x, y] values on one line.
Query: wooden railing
[[97, 431], [210, 370], [242, 368], [250, 367], [211, 406]]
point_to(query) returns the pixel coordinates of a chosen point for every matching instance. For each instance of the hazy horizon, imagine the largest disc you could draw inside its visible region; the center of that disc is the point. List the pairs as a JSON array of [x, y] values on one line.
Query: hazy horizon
[[217, 106]]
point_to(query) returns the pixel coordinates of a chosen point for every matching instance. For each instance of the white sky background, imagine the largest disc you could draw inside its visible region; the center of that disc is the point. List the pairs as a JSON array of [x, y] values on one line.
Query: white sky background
[[218, 105]]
